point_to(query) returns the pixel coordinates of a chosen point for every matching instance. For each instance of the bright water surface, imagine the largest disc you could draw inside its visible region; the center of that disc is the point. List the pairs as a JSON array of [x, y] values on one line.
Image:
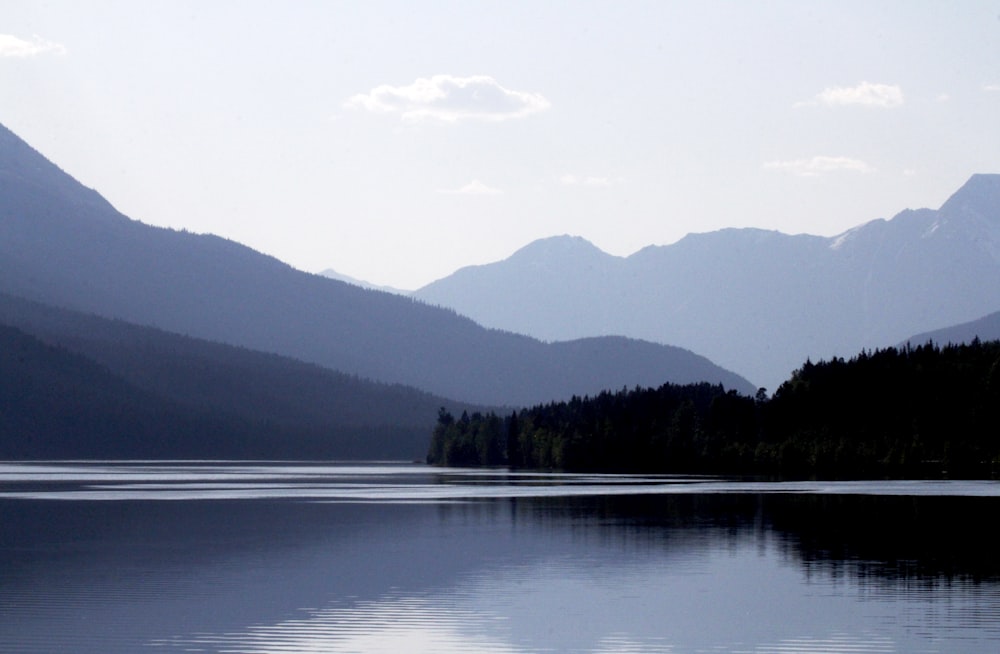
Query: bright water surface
[[234, 557]]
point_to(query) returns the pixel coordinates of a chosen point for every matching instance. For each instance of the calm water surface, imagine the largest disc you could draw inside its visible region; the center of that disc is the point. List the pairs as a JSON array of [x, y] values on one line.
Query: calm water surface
[[232, 557]]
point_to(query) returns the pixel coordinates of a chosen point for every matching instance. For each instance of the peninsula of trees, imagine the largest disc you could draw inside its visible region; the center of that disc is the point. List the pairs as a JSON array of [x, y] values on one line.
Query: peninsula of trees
[[909, 410]]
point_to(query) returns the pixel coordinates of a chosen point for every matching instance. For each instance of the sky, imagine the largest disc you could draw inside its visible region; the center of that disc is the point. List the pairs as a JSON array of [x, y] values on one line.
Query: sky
[[396, 142]]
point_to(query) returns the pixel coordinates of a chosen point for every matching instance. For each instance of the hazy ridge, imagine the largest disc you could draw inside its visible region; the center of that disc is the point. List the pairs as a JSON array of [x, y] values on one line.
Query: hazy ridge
[[63, 245], [755, 301], [985, 328]]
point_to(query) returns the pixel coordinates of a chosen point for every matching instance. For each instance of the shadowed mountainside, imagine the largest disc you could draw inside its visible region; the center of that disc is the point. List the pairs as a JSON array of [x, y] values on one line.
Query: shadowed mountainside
[[57, 404], [64, 245], [162, 394]]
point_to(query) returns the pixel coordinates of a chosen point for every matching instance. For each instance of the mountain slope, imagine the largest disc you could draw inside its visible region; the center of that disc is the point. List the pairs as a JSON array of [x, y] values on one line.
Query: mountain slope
[[286, 407], [986, 328], [330, 273], [64, 245], [755, 301], [58, 404]]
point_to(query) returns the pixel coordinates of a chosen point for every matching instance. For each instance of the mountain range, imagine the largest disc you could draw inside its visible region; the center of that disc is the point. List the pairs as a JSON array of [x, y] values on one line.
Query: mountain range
[[757, 302], [160, 331], [63, 245]]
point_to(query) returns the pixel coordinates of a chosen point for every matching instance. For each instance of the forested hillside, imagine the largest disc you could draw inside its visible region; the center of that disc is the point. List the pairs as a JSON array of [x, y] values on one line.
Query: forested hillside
[[986, 328], [912, 410], [81, 386], [56, 404]]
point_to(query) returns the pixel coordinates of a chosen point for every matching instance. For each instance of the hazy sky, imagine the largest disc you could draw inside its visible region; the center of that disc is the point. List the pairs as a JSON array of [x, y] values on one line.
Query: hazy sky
[[398, 141]]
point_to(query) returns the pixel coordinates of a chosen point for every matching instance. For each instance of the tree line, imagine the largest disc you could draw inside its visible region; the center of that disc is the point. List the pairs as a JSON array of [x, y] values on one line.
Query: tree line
[[900, 410]]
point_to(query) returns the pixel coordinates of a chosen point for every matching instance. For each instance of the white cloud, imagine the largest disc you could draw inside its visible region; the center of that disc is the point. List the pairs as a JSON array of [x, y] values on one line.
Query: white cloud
[[991, 88], [864, 94], [819, 165], [12, 46], [570, 179], [449, 98], [475, 187]]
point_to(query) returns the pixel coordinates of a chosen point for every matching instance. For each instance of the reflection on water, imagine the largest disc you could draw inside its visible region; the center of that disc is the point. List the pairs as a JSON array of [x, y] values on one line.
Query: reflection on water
[[386, 558]]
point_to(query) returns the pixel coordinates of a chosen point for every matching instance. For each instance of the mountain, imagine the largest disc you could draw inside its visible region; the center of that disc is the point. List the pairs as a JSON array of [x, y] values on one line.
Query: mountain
[[263, 405], [54, 404], [555, 289], [986, 328], [64, 245], [755, 301], [330, 273]]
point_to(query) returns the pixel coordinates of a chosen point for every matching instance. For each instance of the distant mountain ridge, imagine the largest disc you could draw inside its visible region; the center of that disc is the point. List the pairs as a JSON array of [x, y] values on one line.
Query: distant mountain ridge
[[755, 301], [330, 273], [64, 245], [986, 328]]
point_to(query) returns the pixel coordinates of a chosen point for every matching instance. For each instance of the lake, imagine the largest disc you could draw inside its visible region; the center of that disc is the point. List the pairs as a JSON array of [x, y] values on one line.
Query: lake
[[171, 557]]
